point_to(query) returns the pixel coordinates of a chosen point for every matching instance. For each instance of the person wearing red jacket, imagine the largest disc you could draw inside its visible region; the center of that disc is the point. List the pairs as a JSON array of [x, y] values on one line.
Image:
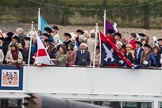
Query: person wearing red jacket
[[133, 40]]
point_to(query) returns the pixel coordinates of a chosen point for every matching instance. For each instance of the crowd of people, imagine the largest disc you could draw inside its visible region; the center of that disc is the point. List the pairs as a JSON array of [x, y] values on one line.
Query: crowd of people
[[78, 48]]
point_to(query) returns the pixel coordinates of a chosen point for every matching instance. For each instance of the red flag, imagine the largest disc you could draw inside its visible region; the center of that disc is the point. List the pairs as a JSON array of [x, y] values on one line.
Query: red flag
[[121, 55], [42, 56]]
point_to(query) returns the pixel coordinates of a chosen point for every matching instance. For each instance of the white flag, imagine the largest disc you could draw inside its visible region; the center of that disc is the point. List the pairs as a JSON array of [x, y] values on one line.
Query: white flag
[[42, 56]]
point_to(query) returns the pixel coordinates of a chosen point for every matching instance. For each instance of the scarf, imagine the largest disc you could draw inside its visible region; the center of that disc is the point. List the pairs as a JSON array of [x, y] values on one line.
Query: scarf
[[15, 54]]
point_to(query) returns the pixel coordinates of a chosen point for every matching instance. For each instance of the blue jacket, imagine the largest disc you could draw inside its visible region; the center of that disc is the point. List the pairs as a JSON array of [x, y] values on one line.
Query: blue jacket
[[152, 60], [83, 59]]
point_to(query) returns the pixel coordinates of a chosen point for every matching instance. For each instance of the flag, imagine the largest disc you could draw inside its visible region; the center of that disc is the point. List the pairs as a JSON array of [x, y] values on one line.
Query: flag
[[42, 24], [108, 26], [42, 56], [110, 54]]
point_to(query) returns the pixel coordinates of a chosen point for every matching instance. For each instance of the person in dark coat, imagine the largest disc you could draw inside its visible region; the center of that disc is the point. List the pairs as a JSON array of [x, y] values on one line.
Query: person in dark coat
[[160, 45], [20, 34], [129, 54], [83, 56], [26, 39], [147, 58], [67, 40], [25, 54], [46, 36], [48, 31], [138, 52], [156, 52], [8, 39]]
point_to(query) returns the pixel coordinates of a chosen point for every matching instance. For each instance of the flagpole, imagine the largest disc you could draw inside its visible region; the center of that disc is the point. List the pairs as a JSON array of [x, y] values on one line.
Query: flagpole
[[94, 53], [100, 47], [32, 26], [104, 22], [39, 22]]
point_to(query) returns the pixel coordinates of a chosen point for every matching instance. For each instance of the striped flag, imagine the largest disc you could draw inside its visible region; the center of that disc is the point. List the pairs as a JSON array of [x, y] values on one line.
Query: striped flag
[[42, 56]]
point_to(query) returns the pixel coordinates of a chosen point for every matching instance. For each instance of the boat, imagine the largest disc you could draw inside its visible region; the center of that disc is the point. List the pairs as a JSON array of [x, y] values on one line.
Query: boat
[[131, 88]]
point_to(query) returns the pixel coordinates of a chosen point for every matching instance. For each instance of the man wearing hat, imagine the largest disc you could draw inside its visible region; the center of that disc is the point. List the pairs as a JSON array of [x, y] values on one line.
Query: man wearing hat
[[8, 39], [160, 45], [48, 31], [138, 52], [51, 50], [16, 41], [55, 34], [79, 33], [147, 58], [46, 36], [143, 36], [67, 39], [117, 36]]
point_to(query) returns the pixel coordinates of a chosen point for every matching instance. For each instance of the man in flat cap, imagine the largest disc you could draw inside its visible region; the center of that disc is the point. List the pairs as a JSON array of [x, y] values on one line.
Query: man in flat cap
[[67, 39], [55, 34]]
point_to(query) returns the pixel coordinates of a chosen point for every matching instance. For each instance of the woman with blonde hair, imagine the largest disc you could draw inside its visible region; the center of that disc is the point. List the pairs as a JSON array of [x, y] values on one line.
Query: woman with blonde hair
[[129, 52]]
